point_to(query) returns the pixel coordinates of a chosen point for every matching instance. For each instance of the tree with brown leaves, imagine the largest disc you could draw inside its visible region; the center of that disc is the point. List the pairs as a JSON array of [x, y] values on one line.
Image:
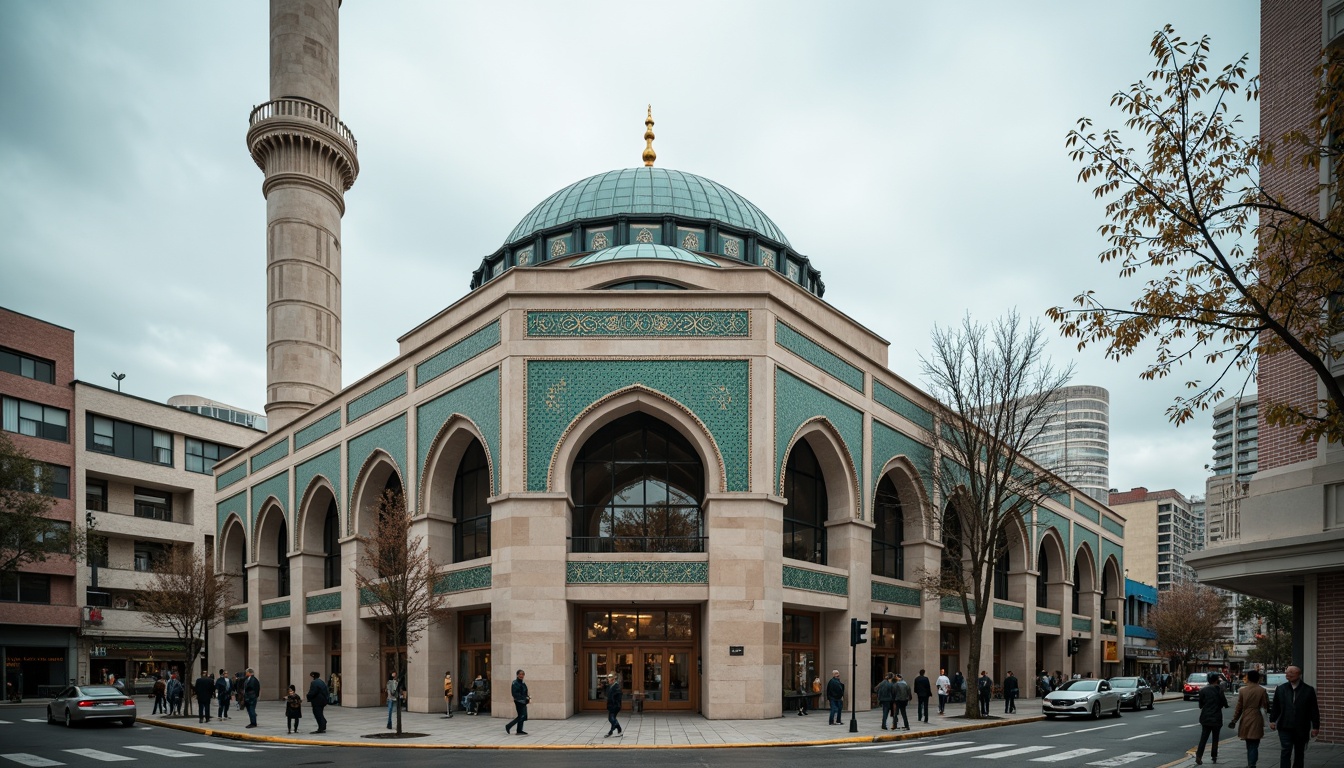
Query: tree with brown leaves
[[397, 578], [1180, 216], [1187, 621], [27, 533], [185, 595], [996, 388]]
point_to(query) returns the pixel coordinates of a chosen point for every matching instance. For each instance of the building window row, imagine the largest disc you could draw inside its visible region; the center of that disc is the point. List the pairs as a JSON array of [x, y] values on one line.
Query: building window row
[[130, 441], [25, 588], [34, 419], [153, 504], [27, 366], [202, 455]]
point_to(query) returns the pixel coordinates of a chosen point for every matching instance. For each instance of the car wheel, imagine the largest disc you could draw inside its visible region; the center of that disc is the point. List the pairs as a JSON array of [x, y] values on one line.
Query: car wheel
[[128, 722], [1096, 710], [68, 722], [51, 719], [1138, 703], [1150, 703]]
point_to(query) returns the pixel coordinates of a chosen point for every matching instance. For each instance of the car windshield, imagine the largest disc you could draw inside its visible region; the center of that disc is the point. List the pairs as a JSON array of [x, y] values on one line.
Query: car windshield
[[1079, 685], [1276, 679], [1124, 682], [1198, 677], [100, 690]]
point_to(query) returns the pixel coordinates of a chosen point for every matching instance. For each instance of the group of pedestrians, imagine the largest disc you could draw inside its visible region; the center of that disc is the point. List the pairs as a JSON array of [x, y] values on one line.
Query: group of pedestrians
[[1293, 713]]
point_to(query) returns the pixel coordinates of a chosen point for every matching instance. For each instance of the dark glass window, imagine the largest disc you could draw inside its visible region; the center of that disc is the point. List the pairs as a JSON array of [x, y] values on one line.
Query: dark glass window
[[48, 479], [331, 548], [637, 486], [27, 366], [95, 494], [147, 554], [153, 504], [1043, 579], [202, 455], [282, 561], [471, 488], [129, 441], [34, 419], [1001, 568], [242, 570], [889, 516], [1077, 586], [952, 547], [806, 506], [476, 628], [799, 628], [644, 285], [25, 588]]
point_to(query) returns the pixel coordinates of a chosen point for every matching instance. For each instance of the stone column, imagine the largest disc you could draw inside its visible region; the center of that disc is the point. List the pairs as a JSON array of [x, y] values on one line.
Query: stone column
[[308, 651]]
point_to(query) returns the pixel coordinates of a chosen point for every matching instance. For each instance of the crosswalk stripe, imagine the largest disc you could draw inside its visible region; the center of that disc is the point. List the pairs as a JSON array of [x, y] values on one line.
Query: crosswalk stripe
[[964, 750], [220, 747], [5, 722], [34, 719], [1192, 725], [98, 754], [1012, 753], [1128, 757], [1083, 730], [926, 747], [164, 751], [1064, 756], [23, 758], [1143, 736], [883, 745]]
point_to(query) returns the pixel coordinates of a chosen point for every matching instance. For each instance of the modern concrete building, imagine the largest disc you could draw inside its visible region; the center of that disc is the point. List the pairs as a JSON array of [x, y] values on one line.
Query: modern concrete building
[[643, 444], [1290, 542], [1076, 442], [1161, 531], [1142, 656], [1235, 458]]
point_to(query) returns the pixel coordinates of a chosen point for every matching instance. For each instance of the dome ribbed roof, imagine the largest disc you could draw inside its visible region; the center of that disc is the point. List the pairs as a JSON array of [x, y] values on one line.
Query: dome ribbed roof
[[650, 191], [644, 251]]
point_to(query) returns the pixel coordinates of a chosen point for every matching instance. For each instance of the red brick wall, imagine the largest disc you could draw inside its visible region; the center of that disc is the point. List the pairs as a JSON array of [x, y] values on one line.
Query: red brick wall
[[1330, 655], [1290, 47]]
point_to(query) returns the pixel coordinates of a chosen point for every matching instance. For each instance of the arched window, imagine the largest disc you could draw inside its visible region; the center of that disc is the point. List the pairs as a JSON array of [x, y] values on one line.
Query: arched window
[[390, 561], [805, 510], [952, 565], [1077, 584], [331, 548], [1001, 567], [1042, 578], [242, 569], [282, 562], [471, 487], [637, 486], [889, 517]]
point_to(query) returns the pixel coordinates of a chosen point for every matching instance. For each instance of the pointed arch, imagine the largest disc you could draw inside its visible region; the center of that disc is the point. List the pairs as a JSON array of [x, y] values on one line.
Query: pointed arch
[[313, 505], [232, 556], [1051, 565], [903, 473], [450, 444], [379, 472], [836, 466]]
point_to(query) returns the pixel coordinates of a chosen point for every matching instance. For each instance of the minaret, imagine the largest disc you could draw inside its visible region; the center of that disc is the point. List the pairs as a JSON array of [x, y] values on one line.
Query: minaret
[[308, 156]]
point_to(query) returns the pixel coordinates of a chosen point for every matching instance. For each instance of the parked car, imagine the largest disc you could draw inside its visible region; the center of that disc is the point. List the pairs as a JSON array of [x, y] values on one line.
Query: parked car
[[1134, 692], [1194, 682], [1088, 698], [1274, 680], [83, 703]]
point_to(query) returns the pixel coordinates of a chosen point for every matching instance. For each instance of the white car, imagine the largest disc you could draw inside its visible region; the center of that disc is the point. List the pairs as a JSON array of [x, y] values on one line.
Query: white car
[[1087, 698], [85, 703]]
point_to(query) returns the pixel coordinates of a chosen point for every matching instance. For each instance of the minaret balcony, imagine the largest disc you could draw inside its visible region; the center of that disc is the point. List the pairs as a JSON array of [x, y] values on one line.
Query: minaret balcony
[[282, 134], [302, 110]]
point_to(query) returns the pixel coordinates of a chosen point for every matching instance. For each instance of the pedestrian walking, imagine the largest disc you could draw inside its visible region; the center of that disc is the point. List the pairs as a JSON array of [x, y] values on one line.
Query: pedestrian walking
[[1296, 716], [984, 688], [223, 687], [251, 692], [1010, 691], [176, 692], [334, 685], [319, 695], [835, 696], [448, 693], [614, 706], [958, 686], [886, 697], [944, 688], [160, 697], [520, 702], [903, 701], [923, 692], [293, 710], [393, 690], [1252, 706], [1044, 684], [1212, 702], [204, 688]]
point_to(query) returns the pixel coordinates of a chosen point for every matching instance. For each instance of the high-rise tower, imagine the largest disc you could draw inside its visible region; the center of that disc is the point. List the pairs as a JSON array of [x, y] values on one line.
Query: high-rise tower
[[308, 156]]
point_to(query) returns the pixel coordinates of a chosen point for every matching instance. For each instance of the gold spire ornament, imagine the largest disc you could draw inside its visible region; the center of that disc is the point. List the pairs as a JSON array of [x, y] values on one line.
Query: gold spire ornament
[[649, 154]]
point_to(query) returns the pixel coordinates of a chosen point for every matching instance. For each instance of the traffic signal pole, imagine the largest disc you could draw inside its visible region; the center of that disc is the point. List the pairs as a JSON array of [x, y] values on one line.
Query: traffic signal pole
[[858, 633]]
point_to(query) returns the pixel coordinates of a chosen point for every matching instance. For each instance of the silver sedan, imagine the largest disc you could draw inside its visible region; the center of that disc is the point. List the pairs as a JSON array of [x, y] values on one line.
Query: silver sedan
[[1088, 698], [83, 703]]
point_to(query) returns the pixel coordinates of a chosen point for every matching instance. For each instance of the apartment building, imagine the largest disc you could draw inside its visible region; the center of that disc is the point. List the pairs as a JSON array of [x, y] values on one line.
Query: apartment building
[[1162, 529]]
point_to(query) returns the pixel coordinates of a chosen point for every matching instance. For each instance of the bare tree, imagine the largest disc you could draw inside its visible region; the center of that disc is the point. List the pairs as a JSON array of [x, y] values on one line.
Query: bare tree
[[397, 577], [1187, 620], [996, 387], [185, 595], [27, 534]]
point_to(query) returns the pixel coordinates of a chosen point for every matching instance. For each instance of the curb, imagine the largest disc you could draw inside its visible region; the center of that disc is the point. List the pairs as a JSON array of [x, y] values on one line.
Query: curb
[[875, 739]]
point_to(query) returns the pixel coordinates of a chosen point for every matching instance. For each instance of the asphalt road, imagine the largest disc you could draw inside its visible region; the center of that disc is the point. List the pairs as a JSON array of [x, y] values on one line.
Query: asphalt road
[[1135, 740]]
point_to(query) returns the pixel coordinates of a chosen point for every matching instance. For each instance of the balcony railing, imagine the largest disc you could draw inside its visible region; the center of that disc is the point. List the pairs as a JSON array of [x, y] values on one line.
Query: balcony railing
[[305, 110], [589, 544]]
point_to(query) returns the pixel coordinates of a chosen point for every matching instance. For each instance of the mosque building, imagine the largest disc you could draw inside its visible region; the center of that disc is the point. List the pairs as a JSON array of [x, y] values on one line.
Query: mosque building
[[642, 443]]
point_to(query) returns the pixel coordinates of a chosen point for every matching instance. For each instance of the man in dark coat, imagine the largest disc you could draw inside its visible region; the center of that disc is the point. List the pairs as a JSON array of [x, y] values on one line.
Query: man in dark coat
[[1009, 693], [520, 701], [223, 687], [251, 692], [318, 698], [204, 689], [958, 685], [984, 687], [176, 692], [923, 692], [614, 705], [835, 695], [886, 697], [902, 700], [1212, 702], [1295, 714]]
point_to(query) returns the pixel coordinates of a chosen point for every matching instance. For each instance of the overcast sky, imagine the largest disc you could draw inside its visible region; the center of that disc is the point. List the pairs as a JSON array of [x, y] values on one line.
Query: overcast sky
[[914, 150]]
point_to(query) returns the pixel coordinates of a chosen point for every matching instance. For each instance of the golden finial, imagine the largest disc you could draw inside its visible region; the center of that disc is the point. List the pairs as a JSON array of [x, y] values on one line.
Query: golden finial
[[649, 154]]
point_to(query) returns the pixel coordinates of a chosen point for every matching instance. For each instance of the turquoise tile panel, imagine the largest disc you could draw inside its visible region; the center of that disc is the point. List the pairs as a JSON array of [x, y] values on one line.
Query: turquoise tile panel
[[376, 398], [236, 616], [902, 405], [390, 436], [225, 479], [1113, 526], [270, 455], [894, 593], [466, 579], [1092, 539], [1111, 549], [1009, 612], [817, 355], [1047, 619], [477, 400], [953, 604], [1086, 510], [275, 610], [326, 464], [889, 443], [317, 430], [1045, 520], [366, 597], [236, 505], [796, 403], [815, 581], [1082, 624], [717, 392], [277, 486], [457, 354], [636, 572], [612, 323], [318, 603]]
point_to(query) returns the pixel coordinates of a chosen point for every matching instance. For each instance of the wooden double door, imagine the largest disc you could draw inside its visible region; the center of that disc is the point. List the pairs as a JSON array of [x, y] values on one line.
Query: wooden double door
[[656, 677]]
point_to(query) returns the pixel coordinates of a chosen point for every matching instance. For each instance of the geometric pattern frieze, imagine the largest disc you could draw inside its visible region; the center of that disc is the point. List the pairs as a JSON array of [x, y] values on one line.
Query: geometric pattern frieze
[[815, 581], [477, 400], [895, 594], [814, 353], [639, 324], [640, 572], [796, 403], [457, 353], [318, 603]]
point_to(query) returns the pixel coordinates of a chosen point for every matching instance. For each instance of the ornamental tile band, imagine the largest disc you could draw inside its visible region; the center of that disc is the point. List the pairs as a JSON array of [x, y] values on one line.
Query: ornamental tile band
[[1082, 624], [796, 403], [318, 603], [457, 354], [902, 405], [1113, 526], [274, 610], [1086, 510], [477, 400], [815, 581], [714, 324], [883, 592], [466, 579], [376, 398], [953, 604], [236, 616], [317, 430], [638, 572], [270, 455], [1047, 619], [224, 480], [277, 486], [1009, 612], [817, 355]]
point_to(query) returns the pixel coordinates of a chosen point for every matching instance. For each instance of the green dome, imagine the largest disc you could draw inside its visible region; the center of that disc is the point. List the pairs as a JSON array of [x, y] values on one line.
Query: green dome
[[650, 191], [644, 251]]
